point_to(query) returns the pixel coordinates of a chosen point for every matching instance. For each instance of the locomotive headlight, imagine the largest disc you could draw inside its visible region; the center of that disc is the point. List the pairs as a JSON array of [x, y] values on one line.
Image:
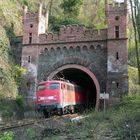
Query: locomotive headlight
[[51, 98], [47, 98], [40, 98]]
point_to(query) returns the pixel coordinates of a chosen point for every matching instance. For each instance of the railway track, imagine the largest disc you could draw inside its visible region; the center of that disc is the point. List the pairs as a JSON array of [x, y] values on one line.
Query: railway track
[[29, 122], [20, 123]]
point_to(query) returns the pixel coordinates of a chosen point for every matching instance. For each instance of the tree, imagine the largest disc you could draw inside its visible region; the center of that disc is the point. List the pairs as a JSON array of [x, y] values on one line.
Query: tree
[[56, 22], [135, 12], [92, 14], [71, 8]]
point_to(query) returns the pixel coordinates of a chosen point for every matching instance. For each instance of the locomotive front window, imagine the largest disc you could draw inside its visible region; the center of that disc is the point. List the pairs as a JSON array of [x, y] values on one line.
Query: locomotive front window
[[54, 86], [41, 87]]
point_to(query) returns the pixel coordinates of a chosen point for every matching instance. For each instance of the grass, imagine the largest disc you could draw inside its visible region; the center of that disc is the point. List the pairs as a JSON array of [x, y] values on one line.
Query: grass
[[120, 122]]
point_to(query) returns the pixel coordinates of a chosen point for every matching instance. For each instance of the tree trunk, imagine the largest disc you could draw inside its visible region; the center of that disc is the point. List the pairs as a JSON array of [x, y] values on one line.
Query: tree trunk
[[50, 8], [135, 12]]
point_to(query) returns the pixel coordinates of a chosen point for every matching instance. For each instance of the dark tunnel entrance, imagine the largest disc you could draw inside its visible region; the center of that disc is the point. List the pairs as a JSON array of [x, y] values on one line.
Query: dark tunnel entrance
[[82, 77]]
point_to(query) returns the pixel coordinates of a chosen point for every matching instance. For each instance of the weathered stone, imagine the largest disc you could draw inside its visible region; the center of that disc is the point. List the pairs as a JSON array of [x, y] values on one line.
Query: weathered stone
[[100, 54]]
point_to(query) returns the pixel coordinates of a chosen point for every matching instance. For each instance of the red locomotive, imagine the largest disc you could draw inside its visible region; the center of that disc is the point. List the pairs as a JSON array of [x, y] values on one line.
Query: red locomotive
[[59, 96]]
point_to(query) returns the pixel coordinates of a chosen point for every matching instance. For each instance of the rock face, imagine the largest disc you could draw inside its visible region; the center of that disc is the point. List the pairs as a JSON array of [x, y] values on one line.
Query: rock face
[[97, 58]]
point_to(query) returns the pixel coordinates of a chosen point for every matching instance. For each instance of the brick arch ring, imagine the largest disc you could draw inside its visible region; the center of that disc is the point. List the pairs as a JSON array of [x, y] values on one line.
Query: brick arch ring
[[84, 69]]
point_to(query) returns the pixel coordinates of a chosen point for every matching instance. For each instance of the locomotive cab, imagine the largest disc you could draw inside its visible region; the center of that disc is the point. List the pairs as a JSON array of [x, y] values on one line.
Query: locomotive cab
[[48, 96], [58, 96]]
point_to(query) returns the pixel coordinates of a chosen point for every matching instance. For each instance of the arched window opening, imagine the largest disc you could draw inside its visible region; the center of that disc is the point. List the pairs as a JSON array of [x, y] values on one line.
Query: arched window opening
[[52, 49], [29, 59], [31, 25], [117, 55], [117, 84], [117, 18], [117, 28], [71, 48], [85, 48], [65, 49], [30, 38], [46, 49], [92, 47], [78, 49], [58, 49], [98, 47]]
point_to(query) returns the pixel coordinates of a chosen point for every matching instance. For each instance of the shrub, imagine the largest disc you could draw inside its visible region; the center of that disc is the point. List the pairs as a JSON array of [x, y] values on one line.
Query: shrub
[[31, 132], [7, 136], [20, 101], [133, 80]]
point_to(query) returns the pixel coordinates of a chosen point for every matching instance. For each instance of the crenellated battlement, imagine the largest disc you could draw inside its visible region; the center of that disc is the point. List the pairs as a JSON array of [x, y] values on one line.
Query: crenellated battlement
[[34, 24], [116, 7], [72, 28], [116, 14], [73, 33], [31, 16]]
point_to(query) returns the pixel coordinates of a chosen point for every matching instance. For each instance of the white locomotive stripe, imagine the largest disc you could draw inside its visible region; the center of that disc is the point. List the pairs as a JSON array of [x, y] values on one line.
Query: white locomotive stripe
[[64, 104]]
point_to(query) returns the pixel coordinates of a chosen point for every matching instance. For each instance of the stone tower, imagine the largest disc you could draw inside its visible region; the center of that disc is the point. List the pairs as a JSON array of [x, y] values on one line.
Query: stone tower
[[117, 74], [34, 24]]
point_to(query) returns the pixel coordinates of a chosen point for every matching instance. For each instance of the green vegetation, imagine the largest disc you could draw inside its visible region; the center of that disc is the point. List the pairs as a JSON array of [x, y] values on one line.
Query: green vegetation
[[71, 8], [8, 87], [56, 22], [20, 101], [7, 136], [31, 132], [120, 122], [18, 71], [133, 80], [12, 108], [135, 16], [78, 12]]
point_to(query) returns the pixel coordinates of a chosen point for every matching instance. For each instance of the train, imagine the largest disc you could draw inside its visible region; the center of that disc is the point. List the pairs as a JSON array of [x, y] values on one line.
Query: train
[[59, 96]]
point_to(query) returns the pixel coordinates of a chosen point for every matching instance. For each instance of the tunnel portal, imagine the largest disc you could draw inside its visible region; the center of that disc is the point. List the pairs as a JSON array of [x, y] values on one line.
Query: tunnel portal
[[82, 77]]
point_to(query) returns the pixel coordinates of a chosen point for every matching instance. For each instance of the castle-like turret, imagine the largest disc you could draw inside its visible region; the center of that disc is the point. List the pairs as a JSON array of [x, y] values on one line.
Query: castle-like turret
[[116, 14], [34, 24]]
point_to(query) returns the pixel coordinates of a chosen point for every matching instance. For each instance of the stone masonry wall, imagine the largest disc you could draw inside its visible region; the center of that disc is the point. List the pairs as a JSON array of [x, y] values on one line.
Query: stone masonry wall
[[72, 33], [91, 56], [103, 52]]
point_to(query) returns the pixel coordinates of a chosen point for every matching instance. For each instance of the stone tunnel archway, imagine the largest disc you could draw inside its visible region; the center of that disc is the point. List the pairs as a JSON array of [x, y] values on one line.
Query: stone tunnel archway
[[83, 76]]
